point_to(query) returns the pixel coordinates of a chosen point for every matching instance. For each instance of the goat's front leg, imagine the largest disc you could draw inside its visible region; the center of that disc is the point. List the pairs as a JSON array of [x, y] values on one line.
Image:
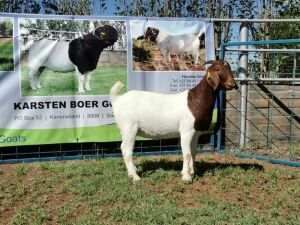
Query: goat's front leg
[[128, 140], [196, 57], [87, 78], [186, 140], [80, 78], [194, 153]]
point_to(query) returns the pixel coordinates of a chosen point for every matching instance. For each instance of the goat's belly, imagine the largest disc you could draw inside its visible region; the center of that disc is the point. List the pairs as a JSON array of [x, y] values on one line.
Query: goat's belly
[[59, 59], [185, 45], [60, 66], [152, 134], [158, 130]]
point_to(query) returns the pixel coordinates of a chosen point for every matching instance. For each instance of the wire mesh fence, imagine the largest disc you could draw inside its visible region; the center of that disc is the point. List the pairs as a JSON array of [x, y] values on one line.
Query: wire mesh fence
[[273, 104], [93, 150]]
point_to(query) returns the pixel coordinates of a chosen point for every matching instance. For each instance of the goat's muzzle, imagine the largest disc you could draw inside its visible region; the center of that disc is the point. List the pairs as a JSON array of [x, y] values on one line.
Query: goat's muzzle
[[232, 85], [236, 86]]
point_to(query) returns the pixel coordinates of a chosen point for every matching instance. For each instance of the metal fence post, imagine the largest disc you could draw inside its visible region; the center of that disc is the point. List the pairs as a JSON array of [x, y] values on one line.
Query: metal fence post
[[243, 70], [221, 97]]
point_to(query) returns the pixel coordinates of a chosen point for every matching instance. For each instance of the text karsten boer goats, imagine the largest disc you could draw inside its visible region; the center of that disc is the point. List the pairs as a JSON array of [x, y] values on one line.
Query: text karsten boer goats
[[81, 54]]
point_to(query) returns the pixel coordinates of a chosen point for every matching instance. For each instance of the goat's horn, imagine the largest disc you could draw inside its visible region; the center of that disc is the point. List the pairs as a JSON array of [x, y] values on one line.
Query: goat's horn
[[209, 62]]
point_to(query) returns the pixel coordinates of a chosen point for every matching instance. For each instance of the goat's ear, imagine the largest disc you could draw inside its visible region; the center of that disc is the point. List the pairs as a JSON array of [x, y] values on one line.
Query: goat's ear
[[148, 31], [213, 79], [102, 35]]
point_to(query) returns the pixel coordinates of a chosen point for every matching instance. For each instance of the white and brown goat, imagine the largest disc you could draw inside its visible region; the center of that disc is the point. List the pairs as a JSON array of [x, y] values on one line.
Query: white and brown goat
[[175, 44], [158, 116]]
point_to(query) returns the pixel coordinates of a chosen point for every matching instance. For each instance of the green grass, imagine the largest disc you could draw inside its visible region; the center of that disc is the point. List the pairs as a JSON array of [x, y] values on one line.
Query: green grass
[[99, 192], [6, 55], [62, 84], [294, 149]]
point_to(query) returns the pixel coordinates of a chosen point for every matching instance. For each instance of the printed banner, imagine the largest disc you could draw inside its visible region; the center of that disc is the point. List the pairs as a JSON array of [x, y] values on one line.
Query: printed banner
[[56, 71]]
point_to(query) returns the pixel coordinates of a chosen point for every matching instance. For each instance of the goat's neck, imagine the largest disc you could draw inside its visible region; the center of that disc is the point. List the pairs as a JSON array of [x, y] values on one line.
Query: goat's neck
[[201, 101], [94, 42]]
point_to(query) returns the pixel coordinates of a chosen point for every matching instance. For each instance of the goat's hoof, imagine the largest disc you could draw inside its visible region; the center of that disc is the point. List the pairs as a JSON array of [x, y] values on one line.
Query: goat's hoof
[[135, 178], [187, 179]]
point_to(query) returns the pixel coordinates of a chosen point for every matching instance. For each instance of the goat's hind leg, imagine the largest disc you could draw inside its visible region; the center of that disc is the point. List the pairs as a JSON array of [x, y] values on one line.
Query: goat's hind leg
[[37, 77], [33, 78], [128, 141]]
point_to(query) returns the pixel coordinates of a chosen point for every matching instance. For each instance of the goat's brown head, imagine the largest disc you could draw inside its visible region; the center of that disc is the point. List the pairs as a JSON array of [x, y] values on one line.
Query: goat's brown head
[[151, 34], [219, 74]]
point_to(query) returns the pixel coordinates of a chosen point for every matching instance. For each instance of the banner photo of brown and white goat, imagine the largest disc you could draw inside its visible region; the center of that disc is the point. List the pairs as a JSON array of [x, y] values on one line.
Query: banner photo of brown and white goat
[[167, 55], [56, 88]]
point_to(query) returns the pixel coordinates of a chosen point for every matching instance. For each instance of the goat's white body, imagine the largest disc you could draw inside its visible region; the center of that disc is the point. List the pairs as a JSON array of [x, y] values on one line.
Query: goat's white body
[[168, 44], [156, 116], [53, 54]]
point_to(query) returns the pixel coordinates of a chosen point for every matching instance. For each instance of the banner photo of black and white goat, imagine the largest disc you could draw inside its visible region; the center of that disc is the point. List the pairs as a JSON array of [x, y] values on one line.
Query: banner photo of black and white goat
[[71, 57]]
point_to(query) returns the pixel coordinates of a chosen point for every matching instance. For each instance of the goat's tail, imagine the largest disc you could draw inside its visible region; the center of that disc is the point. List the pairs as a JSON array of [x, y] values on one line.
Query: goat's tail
[[115, 90]]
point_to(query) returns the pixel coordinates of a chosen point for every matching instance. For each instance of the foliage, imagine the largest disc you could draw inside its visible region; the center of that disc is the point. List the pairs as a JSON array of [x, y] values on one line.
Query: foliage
[[18, 6], [286, 9], [6, 54], [279, 9], [71, 7], [246, 9], [6, 28]]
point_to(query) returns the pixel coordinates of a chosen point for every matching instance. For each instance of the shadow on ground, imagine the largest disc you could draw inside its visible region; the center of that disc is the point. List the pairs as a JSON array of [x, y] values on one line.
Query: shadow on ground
[[201, 167]]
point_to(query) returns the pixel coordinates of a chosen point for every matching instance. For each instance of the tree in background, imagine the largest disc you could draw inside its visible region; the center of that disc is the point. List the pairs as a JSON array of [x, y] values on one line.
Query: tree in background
[[246, 9], [6, 28], [20, 6]]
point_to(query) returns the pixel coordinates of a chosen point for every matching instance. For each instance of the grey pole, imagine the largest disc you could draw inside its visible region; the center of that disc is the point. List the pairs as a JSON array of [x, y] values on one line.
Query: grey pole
[[243, 70]]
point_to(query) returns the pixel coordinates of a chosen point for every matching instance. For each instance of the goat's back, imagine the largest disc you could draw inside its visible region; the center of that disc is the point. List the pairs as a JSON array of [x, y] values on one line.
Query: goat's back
[[181, 43]]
